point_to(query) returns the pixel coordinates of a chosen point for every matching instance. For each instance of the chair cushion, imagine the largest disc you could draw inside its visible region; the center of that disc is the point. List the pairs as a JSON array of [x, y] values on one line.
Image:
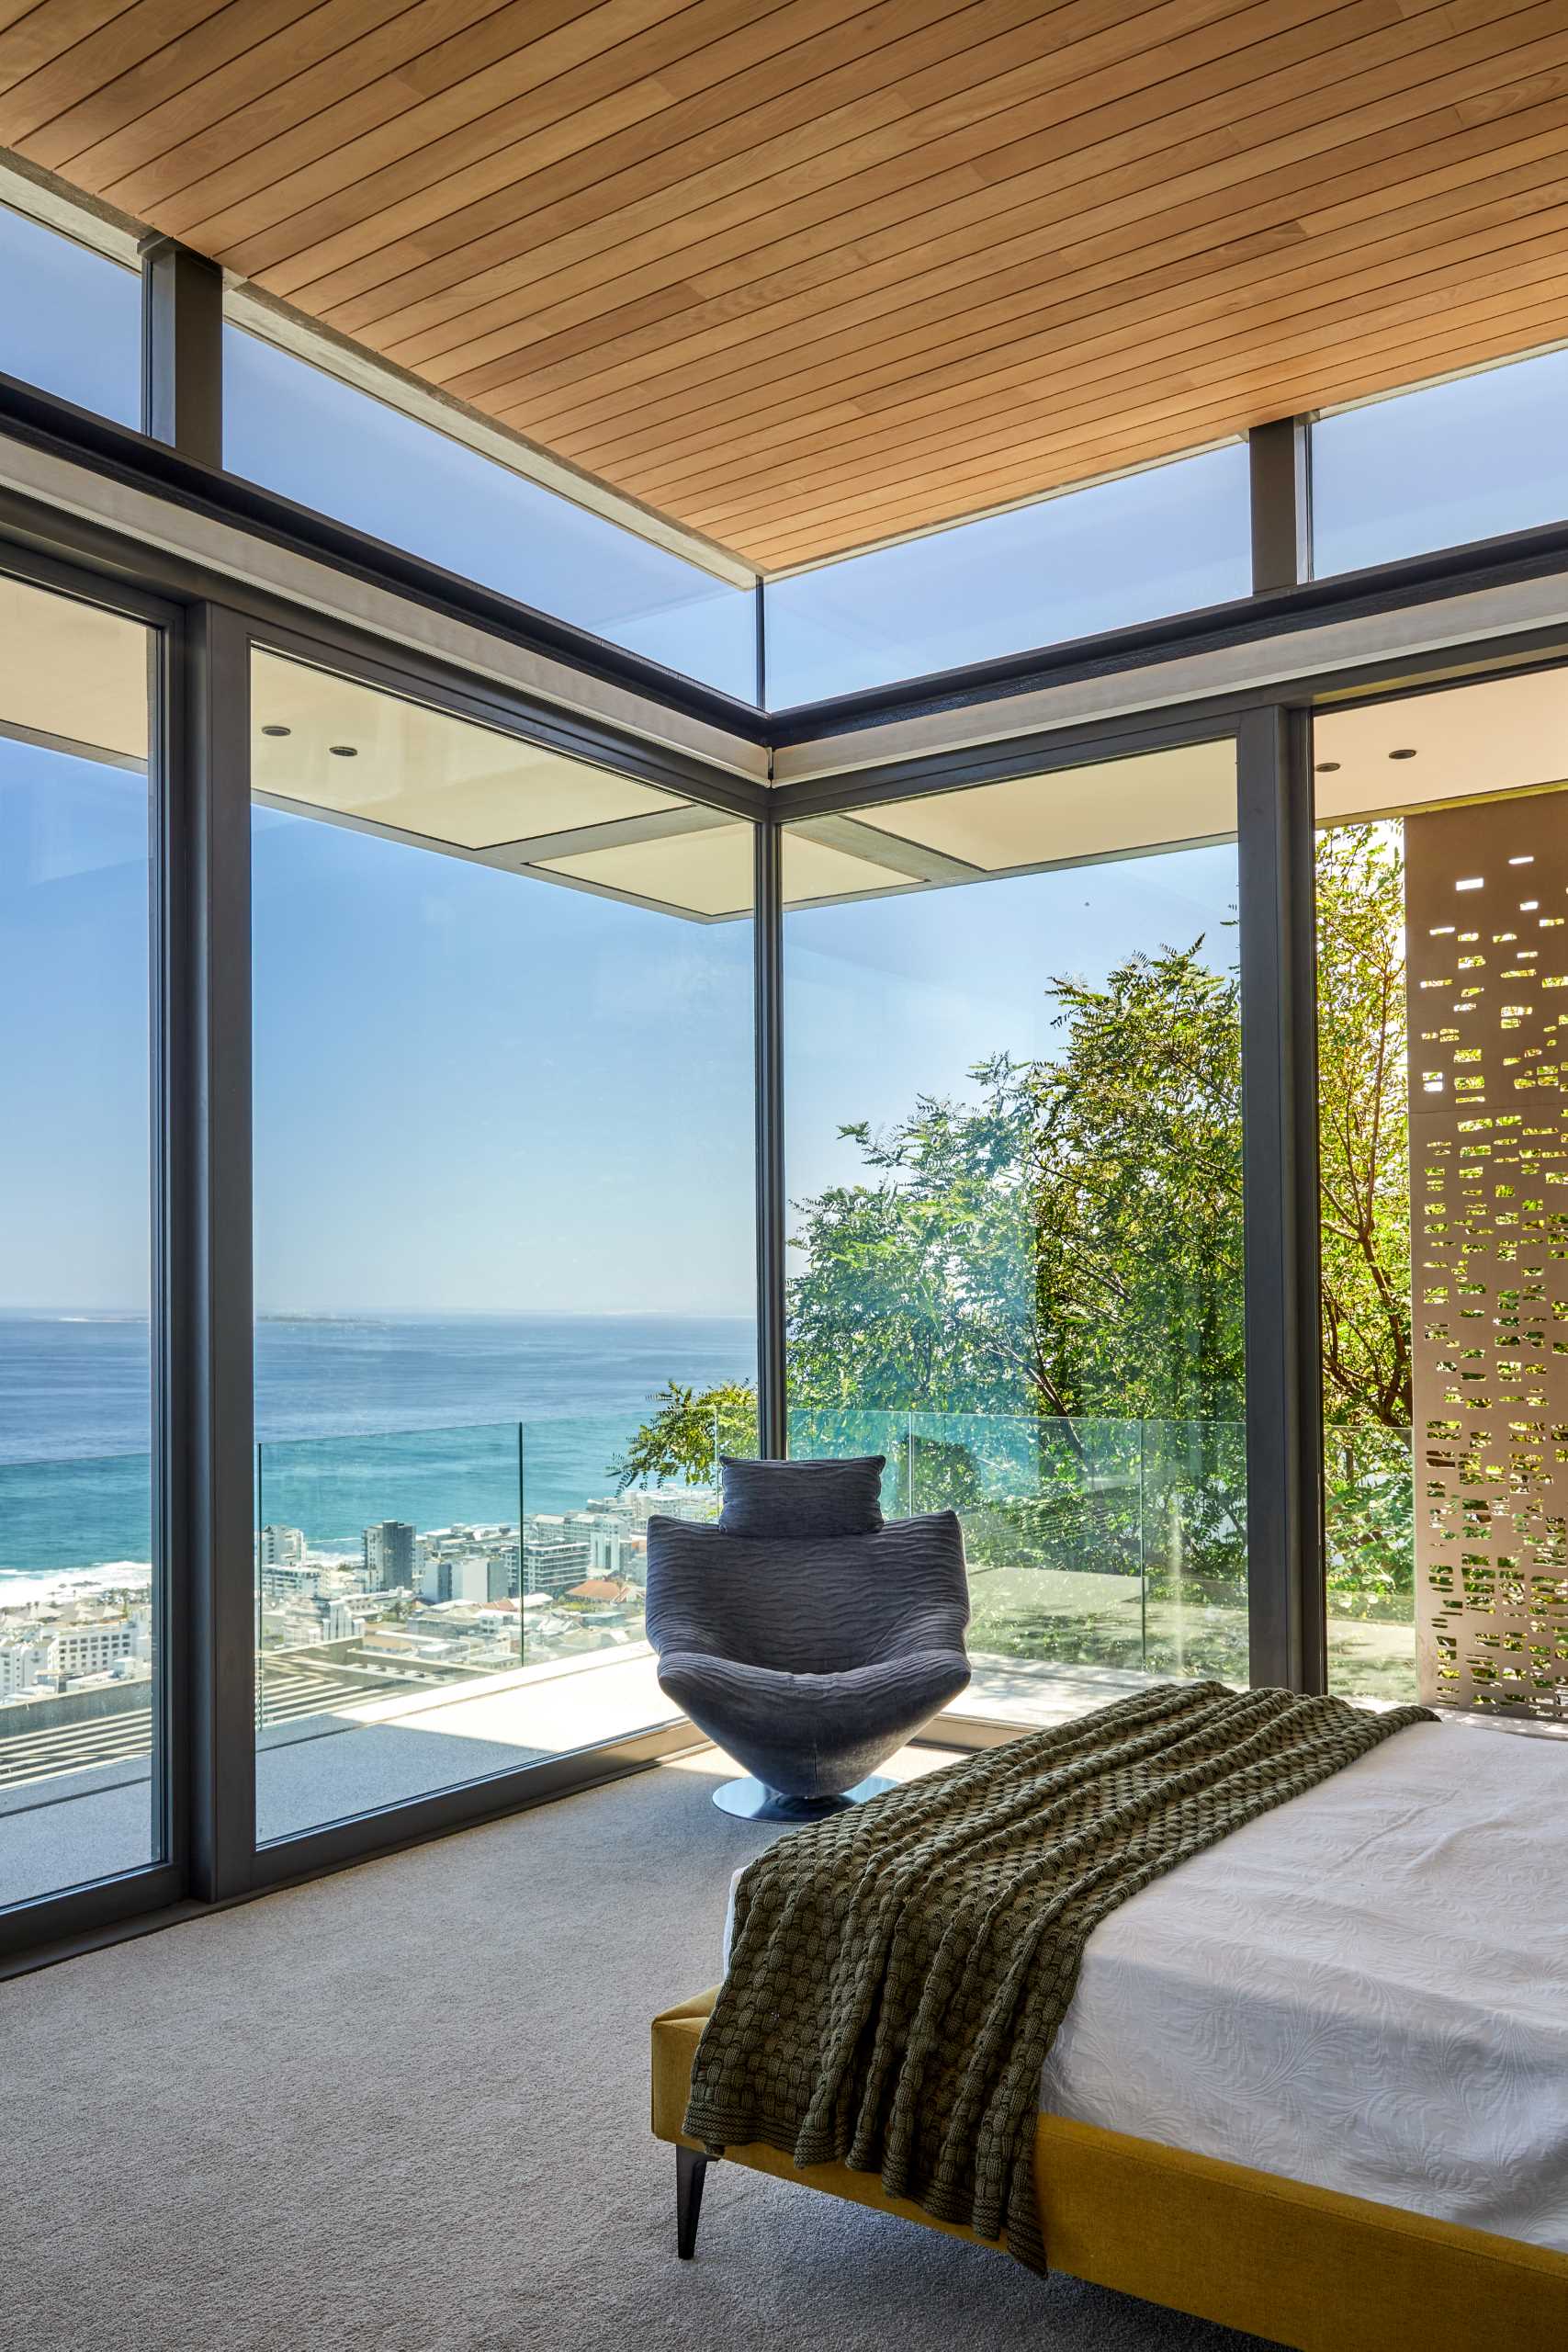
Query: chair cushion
[[803, 1499], [808, 1605]]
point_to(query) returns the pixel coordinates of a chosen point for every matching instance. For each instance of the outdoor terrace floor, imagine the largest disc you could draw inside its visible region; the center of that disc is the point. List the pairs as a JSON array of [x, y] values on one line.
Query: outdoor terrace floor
[[92, 1822]]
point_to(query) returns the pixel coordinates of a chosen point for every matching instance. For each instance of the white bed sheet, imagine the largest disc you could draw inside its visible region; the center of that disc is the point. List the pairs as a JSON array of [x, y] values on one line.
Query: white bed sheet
[[1366, 1989]]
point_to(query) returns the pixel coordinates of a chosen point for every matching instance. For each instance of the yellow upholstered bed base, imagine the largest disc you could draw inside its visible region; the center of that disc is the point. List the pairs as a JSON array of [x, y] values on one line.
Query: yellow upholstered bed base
[[1302, 2267]]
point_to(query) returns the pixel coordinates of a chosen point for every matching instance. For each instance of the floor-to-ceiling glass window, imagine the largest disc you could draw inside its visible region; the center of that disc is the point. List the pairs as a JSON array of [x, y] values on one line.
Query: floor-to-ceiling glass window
[[505, 1234], [1013, 1068], [81, 1600], [1442, 916]]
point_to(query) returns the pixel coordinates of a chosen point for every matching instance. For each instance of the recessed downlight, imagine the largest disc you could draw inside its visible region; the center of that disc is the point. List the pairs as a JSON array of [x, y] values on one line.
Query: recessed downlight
[[1328, 767], [343, 751], [1408, 753], [278, 730]]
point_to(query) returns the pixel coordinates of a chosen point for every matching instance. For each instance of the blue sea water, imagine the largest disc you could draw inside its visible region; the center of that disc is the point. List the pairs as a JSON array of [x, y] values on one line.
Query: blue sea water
[[358, 1419]]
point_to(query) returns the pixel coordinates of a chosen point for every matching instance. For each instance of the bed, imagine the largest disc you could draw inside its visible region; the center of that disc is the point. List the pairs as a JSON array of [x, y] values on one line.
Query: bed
[[1313, 2083]]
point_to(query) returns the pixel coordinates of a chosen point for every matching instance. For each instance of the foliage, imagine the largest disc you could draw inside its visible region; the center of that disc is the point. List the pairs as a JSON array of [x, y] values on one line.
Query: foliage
[[677, 1442], [1369, 1520], [1363, 1126], [1066, 1244]]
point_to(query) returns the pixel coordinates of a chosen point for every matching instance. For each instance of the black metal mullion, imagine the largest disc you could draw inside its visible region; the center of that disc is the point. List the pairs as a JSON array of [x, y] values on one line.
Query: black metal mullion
[[1280, 498], [773, 1372], [182, 350], [1284, 1405], [759, 593], [210, 1275], [167, 656]]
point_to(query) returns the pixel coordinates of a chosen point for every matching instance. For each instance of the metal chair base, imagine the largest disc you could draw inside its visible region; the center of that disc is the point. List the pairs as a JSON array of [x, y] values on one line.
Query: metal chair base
[[752, 1800]]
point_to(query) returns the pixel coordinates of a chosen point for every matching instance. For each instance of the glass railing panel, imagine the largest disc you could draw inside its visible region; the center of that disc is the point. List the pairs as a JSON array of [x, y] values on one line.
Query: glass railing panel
[[78, 1631], [386, 1597], [819, 1431], [1193, 1479], [1052, 1513], [1097, 1549], [435, 1606], [1370, 1532]]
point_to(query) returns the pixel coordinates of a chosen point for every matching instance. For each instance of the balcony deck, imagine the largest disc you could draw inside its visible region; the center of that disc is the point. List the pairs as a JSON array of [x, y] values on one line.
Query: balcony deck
[[77, 1820], [81, 1815]]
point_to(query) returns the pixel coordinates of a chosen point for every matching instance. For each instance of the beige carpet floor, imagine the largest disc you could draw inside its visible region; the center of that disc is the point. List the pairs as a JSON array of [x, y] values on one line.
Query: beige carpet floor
[[406, 2108]]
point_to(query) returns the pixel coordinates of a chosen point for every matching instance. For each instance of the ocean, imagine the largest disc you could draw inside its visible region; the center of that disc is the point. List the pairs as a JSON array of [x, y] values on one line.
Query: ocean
[[358, 1417]]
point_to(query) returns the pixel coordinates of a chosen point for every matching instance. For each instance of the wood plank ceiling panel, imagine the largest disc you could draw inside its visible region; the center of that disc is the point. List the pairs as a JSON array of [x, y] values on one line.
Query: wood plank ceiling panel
[[806, 274]]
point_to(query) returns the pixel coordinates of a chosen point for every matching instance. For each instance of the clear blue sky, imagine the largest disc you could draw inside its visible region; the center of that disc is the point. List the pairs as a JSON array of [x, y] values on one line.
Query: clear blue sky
[[475, 1090], [896, 997]]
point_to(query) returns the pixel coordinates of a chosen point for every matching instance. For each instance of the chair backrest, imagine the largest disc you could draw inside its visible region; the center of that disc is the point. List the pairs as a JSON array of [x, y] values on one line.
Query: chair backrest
[[807, 1607]]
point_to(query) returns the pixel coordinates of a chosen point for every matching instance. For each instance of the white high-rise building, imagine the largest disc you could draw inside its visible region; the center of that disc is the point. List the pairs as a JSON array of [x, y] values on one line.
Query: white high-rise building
[[465, 1575], [339, 1620], [294, 1580], [556, 1552], [77, 1650], [19, 1664]]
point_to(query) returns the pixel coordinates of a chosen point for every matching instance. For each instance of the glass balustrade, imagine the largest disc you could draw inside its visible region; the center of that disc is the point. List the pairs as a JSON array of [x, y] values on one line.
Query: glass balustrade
[[435, 1605], [1096, 1548], [78, 1663]]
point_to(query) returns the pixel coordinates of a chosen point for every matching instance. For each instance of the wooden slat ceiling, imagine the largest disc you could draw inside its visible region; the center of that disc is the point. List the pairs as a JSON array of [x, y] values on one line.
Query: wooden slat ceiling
[[807, 274]]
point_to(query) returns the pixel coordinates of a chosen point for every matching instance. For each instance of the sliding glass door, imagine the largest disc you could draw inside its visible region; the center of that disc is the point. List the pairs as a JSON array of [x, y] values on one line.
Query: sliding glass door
[[83, 1757], [505, 1237], [1013, 1059]]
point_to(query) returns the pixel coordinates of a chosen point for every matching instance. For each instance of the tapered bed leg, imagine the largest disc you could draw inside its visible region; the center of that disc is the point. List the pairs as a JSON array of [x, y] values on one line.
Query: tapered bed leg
[[690, 2167]]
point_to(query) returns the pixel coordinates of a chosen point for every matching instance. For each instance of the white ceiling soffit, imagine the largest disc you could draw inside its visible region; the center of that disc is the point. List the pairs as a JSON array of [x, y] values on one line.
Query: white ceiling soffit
[[1433, 627], [72, 676], [331, 746], [1462, 743], [1114, 809], [710, 876], [256, 563]]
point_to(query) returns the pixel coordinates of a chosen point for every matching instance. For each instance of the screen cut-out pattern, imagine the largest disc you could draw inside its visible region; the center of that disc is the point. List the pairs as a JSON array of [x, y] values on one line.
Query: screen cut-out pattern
[[1486, 901]]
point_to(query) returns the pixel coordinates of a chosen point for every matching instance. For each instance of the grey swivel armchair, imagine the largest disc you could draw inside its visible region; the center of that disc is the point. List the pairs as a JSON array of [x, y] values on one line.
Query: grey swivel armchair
[[803, 1634]]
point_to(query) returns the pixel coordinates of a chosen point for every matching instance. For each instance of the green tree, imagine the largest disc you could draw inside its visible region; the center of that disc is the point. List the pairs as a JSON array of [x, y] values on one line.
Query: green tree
[[1364, 1157], [677, 1442], [1067, 1243], [1363, 1126]]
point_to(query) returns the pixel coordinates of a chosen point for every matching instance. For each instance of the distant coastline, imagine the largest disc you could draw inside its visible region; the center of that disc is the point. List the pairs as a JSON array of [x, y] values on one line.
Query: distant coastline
[[359, 1418]]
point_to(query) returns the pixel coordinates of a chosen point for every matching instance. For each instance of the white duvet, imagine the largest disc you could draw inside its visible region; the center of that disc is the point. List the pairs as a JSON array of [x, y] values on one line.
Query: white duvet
[[1366, 1989]]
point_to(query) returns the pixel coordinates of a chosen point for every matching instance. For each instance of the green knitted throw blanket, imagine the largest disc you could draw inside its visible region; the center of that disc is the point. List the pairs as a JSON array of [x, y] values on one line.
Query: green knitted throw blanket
[[898, 1970]]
